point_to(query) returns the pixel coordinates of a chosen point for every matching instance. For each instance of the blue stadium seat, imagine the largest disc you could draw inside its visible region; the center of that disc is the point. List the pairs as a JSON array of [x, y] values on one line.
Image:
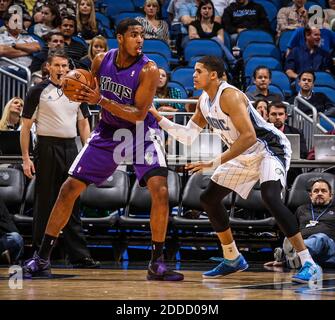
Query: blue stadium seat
[[254, 62], [112, 43], [281, 80], [138, 3], [322, 3], [284, 39], [104, 21], [127, 14], [261, 49], [160, 60], [198, 47], [184, 76], [159, 46], [329, 92], [324, 79], [309, 4], [113, 9], [177, 85], [247, 36], [81, 40], [270, 9]]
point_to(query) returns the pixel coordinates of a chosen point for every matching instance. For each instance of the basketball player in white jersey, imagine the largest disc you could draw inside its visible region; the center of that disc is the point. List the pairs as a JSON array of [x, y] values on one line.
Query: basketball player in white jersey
[[256, 151]]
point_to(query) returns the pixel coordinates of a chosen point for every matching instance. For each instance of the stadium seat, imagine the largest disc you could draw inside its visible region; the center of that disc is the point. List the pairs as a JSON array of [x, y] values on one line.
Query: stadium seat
[[198, 47], [112, 43], [261, 49], [126, 14], [112, 195], [309, 4], [299, 193], [329, 92], [161, 47], [160, 60], [104, 21], [184, 75], [247, 36], [324, 79], [284, 39], [271, 12], [281, 80], [254, 62], [113, 9], [137, 213], [177, 85]]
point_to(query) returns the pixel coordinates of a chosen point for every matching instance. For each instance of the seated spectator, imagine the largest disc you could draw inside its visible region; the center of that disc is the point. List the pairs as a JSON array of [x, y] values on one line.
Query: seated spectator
[[261, 106], [164, 92], [244, 15], [327, 41], [308, 56], [55, 40], [221, 5], [330, 14], [98, 44], [51, 20], [74, 49], [277, 114], [318, 99], [204, 27], [11, 242], [317, 225], [293, 17], [154, 28], [11, 116], [262, 79], [87, 26], [18, 47]]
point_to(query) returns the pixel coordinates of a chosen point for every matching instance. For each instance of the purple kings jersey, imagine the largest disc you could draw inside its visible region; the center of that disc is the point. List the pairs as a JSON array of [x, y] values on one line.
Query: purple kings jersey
[[119, 85]]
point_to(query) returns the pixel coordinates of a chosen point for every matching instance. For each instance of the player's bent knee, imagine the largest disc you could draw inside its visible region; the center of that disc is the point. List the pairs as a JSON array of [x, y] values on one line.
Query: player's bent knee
[[71, 188]]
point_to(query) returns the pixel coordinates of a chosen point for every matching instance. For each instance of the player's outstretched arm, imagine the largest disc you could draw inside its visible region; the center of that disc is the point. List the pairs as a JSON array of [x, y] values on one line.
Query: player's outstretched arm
[[184, 134]]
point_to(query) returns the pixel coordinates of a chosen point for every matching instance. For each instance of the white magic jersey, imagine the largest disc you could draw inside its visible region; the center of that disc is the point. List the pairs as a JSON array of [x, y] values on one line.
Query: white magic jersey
[[268, 159]]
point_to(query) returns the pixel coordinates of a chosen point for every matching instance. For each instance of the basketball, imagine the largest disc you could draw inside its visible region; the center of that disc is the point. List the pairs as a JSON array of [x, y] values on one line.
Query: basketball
[[73, 81]]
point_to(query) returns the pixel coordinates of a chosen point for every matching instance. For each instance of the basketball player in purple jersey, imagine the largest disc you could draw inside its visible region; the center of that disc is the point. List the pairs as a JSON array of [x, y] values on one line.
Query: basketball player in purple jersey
[[128, 81]]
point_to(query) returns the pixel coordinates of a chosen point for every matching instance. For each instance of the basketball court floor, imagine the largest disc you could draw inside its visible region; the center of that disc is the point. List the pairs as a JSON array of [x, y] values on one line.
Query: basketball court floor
[[127, 281]]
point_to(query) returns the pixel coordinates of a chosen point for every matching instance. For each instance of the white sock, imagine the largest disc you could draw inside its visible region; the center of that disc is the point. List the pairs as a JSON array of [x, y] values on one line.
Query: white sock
[[230, 251], [305, 256]]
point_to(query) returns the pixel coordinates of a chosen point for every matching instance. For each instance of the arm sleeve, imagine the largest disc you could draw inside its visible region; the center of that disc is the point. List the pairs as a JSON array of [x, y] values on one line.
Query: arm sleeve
[[184, 134], [32, 100]]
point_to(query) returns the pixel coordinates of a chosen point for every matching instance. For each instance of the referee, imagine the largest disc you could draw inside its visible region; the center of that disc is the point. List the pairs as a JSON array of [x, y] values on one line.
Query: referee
[[56, 119]]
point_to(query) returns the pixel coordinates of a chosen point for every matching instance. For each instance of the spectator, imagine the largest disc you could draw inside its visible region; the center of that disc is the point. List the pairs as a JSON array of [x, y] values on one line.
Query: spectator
[[244, 15], [55, 40], [318, 99], [262, 79], [11, 242], [74, 48], [308, 56], [327, 41], [204, 27], [330, 14], [262, 106], [97, 45], [51, 20], [154, 28], [221, 5], [278, 115], [290, 18], [11, 117], [87, 26], [317, 225], [18, 47], [163, 91]]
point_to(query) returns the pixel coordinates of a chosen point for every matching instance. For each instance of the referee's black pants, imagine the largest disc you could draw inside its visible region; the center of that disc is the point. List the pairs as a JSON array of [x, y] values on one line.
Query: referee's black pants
[[53, 158]]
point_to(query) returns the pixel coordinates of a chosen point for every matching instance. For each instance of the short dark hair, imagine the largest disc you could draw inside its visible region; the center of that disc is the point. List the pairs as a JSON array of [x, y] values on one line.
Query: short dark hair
[[307, 71], [50, 34], [277, 105], [213, 63], [124, 24], [57, 53], [262, 67], [313, 181], [255, 104]]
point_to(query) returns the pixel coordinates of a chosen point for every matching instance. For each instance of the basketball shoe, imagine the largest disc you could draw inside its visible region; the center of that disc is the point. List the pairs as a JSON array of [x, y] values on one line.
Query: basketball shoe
[[36, 267], [227, 267], [308, 272], [158, 271]]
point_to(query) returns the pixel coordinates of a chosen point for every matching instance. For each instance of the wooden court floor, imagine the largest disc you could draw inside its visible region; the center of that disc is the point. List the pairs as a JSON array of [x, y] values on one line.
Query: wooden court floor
[[119, 283]]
